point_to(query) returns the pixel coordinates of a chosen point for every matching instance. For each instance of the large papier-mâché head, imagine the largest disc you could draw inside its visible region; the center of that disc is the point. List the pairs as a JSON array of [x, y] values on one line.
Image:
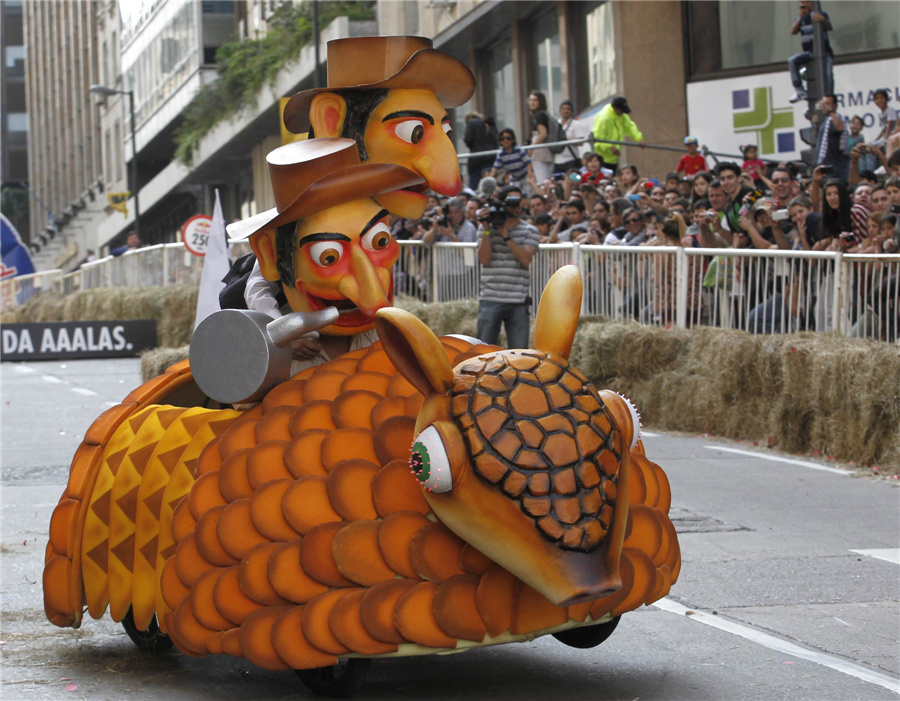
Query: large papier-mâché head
[[327, 240], [409, 126]]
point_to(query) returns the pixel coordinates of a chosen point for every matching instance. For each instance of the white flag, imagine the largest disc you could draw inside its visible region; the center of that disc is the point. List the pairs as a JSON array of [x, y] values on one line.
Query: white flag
[[216, 265]]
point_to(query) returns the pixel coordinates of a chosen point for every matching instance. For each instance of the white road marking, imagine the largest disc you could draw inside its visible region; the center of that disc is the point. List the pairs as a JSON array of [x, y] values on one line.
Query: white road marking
[[24, 369], [773, 643], [85, 391], [886, 554], [648, 434], [764, 456], [112, 403], [54, 380]]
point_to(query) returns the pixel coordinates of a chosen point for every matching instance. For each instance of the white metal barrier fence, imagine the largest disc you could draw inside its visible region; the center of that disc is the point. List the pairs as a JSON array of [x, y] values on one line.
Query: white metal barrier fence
[[162, 265], [759, 291], [767, 291]]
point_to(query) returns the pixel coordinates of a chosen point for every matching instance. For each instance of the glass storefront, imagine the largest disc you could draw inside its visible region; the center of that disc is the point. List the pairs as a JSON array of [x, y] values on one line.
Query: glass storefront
[[169, 60], [601, 53], [744, 34], [500, 69], [545, 54]]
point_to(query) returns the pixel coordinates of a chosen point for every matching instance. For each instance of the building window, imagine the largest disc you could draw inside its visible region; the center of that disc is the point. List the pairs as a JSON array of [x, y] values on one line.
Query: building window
[[741, 34], [545, 54], [500, 69], [107, 174], [601, 52], [411, 17], [117, 133], [219, 27], [170, 59]]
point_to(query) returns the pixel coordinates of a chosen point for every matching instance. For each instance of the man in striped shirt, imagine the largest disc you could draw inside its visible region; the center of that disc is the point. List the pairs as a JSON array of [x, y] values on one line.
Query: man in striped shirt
[[505, 253]]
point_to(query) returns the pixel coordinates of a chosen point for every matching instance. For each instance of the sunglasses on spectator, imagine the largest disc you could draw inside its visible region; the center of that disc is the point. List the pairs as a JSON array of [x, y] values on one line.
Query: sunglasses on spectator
[[513, 201], [506, 138], [781, 180], [632, 221]]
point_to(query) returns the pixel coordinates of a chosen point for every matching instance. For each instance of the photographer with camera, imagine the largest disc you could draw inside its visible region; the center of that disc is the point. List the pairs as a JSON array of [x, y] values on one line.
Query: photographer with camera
[[449, 224], [505, 252]]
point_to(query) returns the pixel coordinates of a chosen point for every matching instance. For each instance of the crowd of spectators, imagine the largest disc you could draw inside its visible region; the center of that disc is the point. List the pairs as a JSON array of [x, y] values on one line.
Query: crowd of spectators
[[753, 204]]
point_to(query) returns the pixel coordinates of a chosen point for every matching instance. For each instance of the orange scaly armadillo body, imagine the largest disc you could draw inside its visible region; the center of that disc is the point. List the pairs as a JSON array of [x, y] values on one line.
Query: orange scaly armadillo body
[[304, 536]]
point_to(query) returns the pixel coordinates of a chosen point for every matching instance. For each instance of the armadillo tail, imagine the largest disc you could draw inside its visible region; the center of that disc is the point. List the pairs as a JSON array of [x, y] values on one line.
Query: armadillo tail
[[111, 531]]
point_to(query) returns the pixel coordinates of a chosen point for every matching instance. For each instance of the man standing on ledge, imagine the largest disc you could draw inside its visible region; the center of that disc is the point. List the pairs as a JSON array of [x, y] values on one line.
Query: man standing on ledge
[[612, 123], [505, 254]]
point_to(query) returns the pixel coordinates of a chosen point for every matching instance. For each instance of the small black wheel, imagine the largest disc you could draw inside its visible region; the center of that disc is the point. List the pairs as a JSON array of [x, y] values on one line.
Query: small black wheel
[[587, 636], [339, 681], [149, 640]]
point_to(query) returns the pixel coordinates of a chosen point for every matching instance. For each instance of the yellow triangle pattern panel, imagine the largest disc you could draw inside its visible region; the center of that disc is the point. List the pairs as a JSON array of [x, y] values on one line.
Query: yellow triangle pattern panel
[[143, 471], [147, 435], [95, 533]]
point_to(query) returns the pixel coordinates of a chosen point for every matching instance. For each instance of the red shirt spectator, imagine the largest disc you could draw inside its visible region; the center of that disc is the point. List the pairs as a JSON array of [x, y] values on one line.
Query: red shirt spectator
[[692, 162]]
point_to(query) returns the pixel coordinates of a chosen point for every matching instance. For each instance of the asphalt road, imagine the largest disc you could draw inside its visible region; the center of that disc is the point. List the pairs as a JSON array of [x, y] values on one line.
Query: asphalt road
[[790, 587]]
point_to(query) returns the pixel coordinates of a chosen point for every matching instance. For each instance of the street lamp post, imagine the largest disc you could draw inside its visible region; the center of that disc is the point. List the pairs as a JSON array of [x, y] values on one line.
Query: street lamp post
[[103, 90]]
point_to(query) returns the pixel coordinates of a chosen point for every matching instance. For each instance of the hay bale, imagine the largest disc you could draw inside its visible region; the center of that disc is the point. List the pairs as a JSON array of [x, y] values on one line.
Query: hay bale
[[11, 316], [802, 393], [44, 307], [597, 349], [177, 320], [155, 362]]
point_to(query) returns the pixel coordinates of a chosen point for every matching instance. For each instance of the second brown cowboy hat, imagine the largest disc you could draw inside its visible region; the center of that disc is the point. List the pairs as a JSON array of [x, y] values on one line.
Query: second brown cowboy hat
[[370, 63], [314, 175]]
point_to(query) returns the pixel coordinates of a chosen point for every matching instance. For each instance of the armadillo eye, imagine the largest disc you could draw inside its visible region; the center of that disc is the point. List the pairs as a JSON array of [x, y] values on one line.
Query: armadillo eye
[[429, 463]]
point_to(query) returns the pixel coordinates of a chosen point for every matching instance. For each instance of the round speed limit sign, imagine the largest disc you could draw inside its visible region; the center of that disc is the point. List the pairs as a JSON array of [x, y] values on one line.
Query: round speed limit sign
[[195, 234]]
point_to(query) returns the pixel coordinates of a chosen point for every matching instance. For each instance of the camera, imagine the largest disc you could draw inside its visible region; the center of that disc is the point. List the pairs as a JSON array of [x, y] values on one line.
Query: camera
[[494, 214], [849, 237], [780, 215], [444, 219], [895, 209], [559, 176], [826, 169]]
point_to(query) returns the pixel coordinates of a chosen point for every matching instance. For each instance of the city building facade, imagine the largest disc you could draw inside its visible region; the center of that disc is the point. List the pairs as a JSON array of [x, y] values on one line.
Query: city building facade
[[14, 116]]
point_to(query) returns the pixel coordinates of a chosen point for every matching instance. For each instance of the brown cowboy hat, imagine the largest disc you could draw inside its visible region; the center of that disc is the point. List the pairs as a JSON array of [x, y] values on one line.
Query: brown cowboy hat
[[314, 175], [386, 62]]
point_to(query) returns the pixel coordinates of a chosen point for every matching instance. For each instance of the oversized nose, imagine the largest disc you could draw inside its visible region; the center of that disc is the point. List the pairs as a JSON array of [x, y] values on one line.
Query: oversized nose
[[439, 165], [363, 285]]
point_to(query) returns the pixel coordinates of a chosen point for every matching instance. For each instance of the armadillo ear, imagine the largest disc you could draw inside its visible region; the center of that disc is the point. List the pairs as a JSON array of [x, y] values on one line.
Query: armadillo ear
[[414, 350], [558, 312]]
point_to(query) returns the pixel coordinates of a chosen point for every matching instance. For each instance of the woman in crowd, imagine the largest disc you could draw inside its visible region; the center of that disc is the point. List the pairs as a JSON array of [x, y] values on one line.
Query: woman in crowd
[[701, 185], [541, 158], [628, 179], [835, 207]]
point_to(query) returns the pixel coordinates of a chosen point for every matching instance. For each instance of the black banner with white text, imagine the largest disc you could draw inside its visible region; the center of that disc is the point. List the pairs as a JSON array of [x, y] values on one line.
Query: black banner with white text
[[77, 339]]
